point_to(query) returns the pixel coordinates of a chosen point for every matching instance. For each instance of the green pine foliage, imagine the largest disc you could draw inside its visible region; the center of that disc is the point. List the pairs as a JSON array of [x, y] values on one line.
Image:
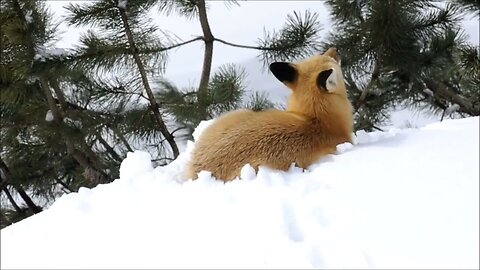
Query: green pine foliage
[[298, 38], [53, 139], [472, 6], [125, 51], [402, 53], [226, 92]]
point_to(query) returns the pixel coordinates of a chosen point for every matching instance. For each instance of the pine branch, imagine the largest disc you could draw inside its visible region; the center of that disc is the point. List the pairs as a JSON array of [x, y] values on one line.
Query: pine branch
[[122, 138], [376, 72], [65, 186], [187, 8], [153, 104], [298, 38], [442, 90], [7, 180], [12, 200], [31, 205], [58, 119], [78, 56], [109, 149]]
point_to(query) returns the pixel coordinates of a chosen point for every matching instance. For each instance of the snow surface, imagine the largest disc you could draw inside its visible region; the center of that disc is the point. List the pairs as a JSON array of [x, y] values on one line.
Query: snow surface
[[406, 198]]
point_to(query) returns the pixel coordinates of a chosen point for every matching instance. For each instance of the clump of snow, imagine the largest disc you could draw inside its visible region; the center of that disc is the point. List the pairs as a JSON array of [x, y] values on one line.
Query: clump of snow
[[428, 91], [451, 109], [28, 16], [135, 164], [49, 116], [32, 79], [43, 53], [404, 198], [363, 137], [122, 4], [200, 128], [247, 172], [73, 123], [342, 148]]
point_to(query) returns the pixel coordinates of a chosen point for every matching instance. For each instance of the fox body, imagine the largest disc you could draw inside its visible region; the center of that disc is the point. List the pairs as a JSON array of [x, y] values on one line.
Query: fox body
[[318, 117]]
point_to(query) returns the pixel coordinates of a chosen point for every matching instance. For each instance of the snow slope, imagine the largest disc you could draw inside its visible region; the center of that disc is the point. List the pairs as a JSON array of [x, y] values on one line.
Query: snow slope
[[401, 199]]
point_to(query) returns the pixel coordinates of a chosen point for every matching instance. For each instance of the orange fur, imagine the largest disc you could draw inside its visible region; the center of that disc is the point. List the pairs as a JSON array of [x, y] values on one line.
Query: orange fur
[[316, 120]]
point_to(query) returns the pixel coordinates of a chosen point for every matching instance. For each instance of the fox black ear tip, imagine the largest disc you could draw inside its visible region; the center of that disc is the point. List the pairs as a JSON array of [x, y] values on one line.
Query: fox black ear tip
[[283, 71], [273, 66]]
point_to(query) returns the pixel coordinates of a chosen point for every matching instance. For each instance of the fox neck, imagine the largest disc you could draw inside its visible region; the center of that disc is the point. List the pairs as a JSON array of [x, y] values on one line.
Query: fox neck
[[330, 116]]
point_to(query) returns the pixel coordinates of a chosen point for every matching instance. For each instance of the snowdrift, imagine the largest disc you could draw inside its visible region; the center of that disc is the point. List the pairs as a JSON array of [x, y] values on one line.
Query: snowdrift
[[398, 199]]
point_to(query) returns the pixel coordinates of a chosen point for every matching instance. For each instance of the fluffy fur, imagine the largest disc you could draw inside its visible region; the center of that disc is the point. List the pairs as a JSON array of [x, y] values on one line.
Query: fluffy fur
[[318, 117]]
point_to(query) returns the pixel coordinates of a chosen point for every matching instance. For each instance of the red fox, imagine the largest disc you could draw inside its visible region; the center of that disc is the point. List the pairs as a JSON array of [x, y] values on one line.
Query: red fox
[[318, 117]]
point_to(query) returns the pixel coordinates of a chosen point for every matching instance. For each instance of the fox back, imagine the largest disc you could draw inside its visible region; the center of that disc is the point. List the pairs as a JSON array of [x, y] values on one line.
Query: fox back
[[318, 117]]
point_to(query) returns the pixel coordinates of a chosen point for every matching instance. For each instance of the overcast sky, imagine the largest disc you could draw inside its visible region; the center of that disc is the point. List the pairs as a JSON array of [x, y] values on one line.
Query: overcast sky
[[242, 24]]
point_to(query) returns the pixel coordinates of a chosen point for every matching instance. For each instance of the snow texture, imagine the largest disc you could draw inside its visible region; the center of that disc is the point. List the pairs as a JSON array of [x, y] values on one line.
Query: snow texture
[[43, 53], [73, 123], [122, 4], [406, 198], [451, 109], [428, 91], [28, 16], [49, 116]]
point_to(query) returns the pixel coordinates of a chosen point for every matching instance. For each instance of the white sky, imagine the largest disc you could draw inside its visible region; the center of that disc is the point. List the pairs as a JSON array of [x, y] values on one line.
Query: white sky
[[242, 24]]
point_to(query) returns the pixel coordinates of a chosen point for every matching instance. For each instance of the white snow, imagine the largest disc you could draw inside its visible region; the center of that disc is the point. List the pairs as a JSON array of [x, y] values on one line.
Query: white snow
[[43, 53], [73, 123], [49, 116], [451, 109], [122, 4], [405, 198], [28, 16], [428, 91]]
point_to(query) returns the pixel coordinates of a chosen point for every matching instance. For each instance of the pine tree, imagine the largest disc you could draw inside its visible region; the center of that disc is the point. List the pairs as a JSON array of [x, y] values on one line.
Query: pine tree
[[127, 47], [52, 141], [403, 53], [224, 91]]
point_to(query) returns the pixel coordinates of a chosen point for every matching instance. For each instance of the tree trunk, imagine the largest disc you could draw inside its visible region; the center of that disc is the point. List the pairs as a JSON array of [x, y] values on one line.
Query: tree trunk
[[31, 205], [7, 176], [93, 158], [65, 186], [376, 72], [141, 68], [121, 138], [208, 55], [58, 119], [109, 149]]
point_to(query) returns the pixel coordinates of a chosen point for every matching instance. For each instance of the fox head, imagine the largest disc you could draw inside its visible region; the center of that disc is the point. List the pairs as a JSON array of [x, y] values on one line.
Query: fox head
[[317, 85]]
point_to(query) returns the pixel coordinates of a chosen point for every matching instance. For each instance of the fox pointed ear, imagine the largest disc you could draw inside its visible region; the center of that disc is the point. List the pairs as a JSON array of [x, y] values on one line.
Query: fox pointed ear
[[324, 81], [333, 53], [284, 72]]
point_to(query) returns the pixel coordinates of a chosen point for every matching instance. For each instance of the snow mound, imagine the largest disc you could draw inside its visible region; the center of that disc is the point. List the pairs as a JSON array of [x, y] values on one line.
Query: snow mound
[[399, 199]]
